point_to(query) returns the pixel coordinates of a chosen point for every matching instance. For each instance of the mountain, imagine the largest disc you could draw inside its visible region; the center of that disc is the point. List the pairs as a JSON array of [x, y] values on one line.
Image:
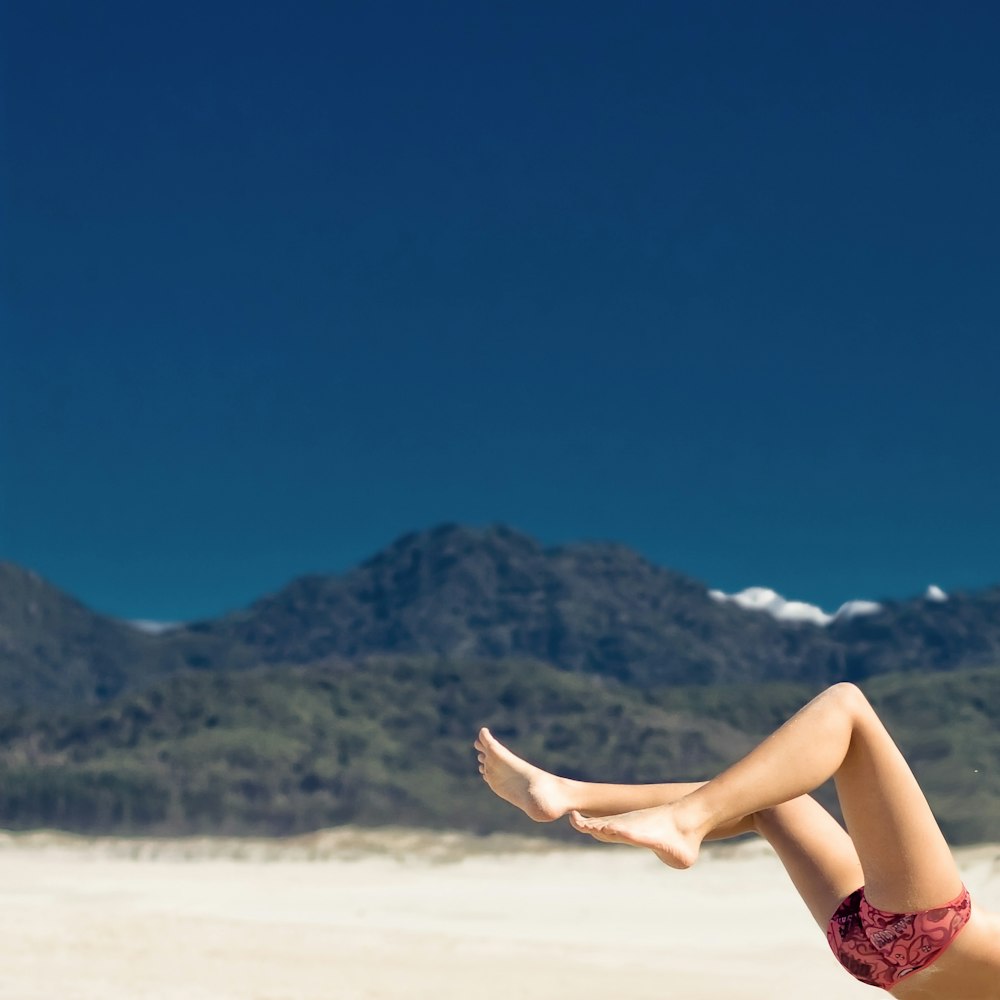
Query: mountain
[[354, 698], [493, 593], [589, 608], [922, 634], [53, 649]]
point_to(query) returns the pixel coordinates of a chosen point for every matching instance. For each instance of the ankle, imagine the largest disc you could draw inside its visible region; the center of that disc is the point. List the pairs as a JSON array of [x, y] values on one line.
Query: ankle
[[693, 818], [569, 794]]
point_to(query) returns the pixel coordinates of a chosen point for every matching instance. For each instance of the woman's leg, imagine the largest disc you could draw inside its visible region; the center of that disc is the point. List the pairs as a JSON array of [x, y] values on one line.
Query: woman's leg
[[906, 861], [815, 850], [545, 797]]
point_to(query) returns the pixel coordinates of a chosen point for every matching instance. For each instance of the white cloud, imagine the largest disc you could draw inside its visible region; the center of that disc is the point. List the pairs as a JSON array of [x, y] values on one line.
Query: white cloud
[[935, 593], [771, 602], [851, 609]]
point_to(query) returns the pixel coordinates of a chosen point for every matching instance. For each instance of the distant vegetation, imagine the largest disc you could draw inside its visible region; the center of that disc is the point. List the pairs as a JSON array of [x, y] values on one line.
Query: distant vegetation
[[281, 750], [356, 699], [277, 750]]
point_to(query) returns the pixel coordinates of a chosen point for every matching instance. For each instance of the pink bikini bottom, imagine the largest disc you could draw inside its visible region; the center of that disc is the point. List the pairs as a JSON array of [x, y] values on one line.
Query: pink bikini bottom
[[881, 948]]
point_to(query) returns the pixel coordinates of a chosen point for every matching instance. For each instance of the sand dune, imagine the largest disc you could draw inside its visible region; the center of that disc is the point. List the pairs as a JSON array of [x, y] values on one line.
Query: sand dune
[[356, 915]]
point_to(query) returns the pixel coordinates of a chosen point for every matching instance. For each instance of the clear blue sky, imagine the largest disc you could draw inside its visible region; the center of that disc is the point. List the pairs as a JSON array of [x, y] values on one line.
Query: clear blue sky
[[282, 282]]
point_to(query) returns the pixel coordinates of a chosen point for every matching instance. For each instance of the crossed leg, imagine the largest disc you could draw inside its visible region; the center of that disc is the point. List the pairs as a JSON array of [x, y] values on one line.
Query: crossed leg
[[545, 797], [905, 859], [813, 847], [893, 844]]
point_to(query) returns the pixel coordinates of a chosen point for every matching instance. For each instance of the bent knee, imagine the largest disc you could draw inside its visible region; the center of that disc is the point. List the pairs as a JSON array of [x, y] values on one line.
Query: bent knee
[[849, 697], [773, 819]]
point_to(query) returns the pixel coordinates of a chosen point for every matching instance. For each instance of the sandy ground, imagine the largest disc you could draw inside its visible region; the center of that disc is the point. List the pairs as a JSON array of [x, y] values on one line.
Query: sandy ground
[[382, 916]]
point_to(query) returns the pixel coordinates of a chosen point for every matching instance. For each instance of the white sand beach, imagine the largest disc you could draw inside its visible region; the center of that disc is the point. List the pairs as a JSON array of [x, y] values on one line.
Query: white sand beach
[[355, 915]]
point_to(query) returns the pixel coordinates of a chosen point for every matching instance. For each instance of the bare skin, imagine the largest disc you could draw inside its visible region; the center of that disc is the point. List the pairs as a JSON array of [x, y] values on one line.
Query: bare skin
[[892, 844], [545, 797]]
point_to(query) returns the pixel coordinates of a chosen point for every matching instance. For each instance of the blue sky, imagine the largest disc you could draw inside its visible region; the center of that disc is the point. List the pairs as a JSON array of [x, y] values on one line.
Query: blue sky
[[716, 280]]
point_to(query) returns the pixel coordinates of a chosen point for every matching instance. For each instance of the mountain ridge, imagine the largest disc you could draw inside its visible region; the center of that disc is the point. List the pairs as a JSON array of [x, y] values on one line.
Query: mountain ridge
[[488, 593], [354, 698]]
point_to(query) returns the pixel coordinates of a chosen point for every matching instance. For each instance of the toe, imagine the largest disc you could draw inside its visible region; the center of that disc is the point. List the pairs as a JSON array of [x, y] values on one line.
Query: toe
[[592, 831], [490, 743]]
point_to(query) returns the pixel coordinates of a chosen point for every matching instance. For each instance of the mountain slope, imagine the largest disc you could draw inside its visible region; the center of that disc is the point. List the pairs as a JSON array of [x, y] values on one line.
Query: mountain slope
[[55, 650], [459, 592], [285, 749], [355, 698], [282, 749], [489, 593], [592, 607]]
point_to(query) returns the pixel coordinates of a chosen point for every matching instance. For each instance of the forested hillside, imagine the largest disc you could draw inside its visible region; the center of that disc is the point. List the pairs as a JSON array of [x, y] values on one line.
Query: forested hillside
[[356, 698]]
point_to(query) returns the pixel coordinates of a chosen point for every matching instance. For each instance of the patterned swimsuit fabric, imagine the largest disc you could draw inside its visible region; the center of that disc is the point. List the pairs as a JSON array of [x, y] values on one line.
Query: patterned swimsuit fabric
[[882, 948]]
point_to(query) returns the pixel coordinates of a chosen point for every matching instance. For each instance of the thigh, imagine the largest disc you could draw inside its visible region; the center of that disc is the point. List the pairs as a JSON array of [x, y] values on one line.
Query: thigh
[[816, 851], [907, 863]]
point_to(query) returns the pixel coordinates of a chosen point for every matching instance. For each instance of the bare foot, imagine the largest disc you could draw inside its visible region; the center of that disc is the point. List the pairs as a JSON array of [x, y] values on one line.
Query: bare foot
[[655, 828], [542, 796]]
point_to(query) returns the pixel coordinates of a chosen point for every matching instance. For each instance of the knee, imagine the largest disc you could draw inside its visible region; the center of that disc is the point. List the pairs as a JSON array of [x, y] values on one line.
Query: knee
[[849, 702], [769, 822], [762, 820], [770, 817], [848, 696]]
